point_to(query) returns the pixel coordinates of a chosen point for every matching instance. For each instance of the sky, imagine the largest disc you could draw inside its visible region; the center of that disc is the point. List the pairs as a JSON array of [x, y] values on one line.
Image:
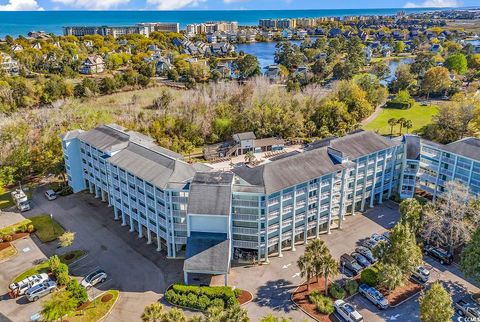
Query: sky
[[17, 5]]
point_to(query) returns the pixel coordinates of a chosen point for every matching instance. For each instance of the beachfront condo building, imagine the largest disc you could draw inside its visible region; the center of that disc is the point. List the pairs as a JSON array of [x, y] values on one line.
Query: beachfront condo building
[[210, 217]]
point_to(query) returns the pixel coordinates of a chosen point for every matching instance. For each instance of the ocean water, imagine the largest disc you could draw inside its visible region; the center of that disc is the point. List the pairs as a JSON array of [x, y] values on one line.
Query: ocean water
[[21, 22]]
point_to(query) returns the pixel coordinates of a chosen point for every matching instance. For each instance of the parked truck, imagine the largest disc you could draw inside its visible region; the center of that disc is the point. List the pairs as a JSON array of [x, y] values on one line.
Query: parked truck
[[21, 200]]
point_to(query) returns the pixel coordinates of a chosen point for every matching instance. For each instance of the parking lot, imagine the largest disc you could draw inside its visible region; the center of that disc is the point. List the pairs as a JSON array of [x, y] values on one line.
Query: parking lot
[[142, 274]]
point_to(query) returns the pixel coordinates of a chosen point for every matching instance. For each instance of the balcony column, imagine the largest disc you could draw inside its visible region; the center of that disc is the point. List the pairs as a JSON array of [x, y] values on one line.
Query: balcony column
[[394, 162], [97, 192], [149, 237], [319, 199], [266, 230], [354, 198], [332, 183], [374, 182], [159, 243], [185, 278], [364, 190], [90, 187], [102, 194], [124, 221], [115, 213], [293, 217], [140, 228], [341, 211], [280, 225], [384, 168], [131, 224]]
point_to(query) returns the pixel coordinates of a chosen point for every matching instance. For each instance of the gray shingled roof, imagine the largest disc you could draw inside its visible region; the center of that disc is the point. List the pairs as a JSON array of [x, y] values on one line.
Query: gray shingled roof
[[71, 134], [361, 143], [105, 138], [207, 253], [152, 166], [244, 136], [280, 174], [210, 194], [468, 147]]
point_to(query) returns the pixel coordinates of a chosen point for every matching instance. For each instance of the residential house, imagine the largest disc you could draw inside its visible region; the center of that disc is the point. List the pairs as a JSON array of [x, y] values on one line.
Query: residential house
[[93, 64]]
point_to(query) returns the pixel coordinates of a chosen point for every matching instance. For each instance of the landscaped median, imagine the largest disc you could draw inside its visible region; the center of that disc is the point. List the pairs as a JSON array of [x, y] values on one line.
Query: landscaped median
[[203, 297], [46, 229], [96, 310]]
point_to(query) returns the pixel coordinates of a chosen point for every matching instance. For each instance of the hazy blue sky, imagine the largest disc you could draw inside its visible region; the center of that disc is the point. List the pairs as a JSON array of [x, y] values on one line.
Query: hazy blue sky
[[14, 5]]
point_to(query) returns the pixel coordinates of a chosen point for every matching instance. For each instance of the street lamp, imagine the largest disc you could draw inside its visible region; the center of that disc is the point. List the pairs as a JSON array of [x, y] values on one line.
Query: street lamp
[[53, 226]]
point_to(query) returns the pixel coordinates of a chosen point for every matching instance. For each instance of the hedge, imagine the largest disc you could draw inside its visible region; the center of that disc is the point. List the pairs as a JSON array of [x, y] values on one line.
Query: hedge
[[351, 286], [370, 276], [337, 291], [202, 297]]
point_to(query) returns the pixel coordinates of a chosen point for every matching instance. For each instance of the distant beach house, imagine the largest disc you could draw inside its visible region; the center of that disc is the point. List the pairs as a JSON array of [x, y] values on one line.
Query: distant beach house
[[17, 47], [8, 64], [93, 65]]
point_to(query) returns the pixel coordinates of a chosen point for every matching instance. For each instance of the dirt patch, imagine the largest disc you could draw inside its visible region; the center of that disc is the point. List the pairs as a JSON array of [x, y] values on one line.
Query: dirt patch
[[300, 297], [4, 245], [245, 297], [83, 306], [107, 297], [19, 235], [69, 256], [402, 293]]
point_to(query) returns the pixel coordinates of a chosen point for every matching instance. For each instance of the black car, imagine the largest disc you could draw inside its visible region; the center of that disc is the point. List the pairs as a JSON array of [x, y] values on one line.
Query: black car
[[362, 260], [443, 256], [347, 261]]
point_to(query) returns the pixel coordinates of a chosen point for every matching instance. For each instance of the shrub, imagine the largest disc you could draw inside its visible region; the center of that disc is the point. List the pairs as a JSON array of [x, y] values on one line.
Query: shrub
[[337, 291], [217, 302], [7, 238], [77, 291], [203, 302], [351, 286], [314, 296], [22, 228], [237, 292], [192, 300], [62, 278], [370, 276], [323, 304], [30, 228], [53, 263]]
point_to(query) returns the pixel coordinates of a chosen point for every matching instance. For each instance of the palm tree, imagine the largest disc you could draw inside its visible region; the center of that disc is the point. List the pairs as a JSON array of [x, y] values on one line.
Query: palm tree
[[330, 269], [152, 312], [408, 125], [306, 265], [401, 122], [319, 251], [249, 157], [173, 315], [214, 314], [392, 122]]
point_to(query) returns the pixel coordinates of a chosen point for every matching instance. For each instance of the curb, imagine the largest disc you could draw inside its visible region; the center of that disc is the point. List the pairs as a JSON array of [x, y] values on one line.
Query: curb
[[408, 298], [298, 306]]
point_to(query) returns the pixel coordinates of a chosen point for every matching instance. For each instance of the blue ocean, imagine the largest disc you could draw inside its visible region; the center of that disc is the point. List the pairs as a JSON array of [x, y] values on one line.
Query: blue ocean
[[21, 22]]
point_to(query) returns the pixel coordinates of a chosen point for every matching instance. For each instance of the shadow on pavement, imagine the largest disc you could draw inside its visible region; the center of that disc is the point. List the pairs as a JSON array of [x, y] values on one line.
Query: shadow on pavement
[[281, 302]]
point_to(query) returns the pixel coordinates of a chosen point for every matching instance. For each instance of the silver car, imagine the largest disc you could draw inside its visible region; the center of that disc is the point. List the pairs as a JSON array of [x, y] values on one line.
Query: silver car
[[98, 276], [40, 290]]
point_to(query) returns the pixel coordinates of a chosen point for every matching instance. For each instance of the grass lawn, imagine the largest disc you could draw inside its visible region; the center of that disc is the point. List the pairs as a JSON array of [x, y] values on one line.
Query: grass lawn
[[13, 228], [43, 267], [7, 252], [94, 312], [419, 115], [46, 229]]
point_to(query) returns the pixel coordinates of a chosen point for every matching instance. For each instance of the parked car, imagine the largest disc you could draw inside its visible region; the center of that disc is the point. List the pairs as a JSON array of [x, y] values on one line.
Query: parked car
[[378, 238], [367, 253], [50, 194], [40, 290], [373, 295], [467, 308], [21, 287], [421, 274], [347, 311], [98, 276], [350, 263], [369, 243], [386, 235], [443, 256], [362, 260]]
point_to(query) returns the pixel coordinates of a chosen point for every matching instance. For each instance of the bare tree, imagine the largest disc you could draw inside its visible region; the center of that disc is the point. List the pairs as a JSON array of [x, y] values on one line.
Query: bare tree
[[452, 218]]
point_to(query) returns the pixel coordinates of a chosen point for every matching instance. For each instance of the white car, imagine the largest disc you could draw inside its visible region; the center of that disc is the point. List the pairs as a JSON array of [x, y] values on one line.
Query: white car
[[98, 276], [21, 287], [421, 274], [50, 194], [347, 311]]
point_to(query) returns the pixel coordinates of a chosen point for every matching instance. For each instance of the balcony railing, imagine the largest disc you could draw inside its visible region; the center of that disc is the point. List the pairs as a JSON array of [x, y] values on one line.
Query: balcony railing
[[245, 244], [245, 231]]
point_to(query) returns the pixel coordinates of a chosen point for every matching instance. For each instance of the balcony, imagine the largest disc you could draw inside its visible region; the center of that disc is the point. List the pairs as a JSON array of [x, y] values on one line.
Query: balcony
[[181, 227], [245, 217], [245, 231], [245, 244], [245, 203]]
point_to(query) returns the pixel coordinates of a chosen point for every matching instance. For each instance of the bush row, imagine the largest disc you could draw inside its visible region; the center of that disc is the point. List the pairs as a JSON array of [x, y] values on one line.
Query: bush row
[[202, 297], [323, 304], [21, 229], [370, 275]]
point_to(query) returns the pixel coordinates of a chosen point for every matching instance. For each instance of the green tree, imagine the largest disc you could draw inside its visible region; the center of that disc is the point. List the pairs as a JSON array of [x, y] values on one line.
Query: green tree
[[247, 66], [66, 239], [404, 79], [152, 312], [77, 291], [411, 213], [470, 259], [399, 47], [59, 305], [436, 305], [249, 157], [330, 269], [306, 264], [391, 276], [401, 122], [436, 81], [457, 63], [408, 125], [173, 315]]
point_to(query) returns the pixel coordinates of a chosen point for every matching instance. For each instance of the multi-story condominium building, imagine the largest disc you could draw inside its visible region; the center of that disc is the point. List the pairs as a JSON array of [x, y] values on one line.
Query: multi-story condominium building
[[277, 23], [161, 26], [430, 165], [115, 31], [210, 27], [210, 217]]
